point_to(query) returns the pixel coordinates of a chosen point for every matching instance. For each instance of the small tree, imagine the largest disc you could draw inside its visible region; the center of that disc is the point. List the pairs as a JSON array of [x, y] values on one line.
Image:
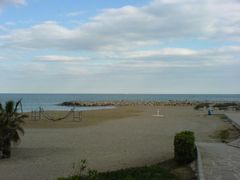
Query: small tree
[[10, 126], [184, 147]]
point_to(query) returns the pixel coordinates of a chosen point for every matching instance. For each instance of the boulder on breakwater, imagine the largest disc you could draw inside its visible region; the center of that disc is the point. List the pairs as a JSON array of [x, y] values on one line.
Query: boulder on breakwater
[[125, 103]]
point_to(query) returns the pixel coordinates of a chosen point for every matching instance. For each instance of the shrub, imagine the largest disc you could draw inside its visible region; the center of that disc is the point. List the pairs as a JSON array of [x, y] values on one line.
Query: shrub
[[202, 105], [225, 106], [184, 147]]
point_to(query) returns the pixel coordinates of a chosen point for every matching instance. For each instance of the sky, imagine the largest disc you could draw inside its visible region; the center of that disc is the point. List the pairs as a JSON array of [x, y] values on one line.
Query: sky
[[127, 46]]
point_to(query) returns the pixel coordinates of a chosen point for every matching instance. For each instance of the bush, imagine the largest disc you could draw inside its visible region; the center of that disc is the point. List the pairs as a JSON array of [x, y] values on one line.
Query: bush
[[184, 147], [225, 106], [202, 105]]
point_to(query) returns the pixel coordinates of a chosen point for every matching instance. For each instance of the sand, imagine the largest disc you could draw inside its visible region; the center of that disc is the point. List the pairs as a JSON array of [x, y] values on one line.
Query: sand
[[89, 118], [115, 141]]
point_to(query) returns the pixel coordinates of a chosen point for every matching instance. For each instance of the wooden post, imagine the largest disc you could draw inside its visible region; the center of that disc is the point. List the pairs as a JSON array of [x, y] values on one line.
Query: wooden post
[[39, 113], [35, 115], [73, 114], [78, 116]]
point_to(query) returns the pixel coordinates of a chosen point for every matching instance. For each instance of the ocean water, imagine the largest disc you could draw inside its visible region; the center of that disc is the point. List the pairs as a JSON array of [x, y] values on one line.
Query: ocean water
[[51, 101]]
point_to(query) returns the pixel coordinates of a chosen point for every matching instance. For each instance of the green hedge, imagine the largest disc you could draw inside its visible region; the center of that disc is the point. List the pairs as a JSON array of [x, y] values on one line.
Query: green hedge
[[184, 147]]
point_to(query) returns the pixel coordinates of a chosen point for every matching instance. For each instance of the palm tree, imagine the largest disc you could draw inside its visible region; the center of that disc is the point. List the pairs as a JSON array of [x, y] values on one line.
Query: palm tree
[[10, 127]]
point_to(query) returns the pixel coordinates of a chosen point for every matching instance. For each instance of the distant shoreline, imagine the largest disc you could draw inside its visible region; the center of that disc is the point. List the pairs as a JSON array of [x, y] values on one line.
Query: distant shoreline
[[32, 102]]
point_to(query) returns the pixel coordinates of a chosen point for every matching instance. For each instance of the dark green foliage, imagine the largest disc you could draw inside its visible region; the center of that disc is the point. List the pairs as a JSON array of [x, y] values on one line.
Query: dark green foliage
[[202, 105], [10, 127], [224, 106], [220, 106], [184, 147], [154, 172]]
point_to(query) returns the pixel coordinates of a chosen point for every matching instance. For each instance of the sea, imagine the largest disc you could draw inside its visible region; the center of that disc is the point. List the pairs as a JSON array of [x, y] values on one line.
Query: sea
[[32, 102]]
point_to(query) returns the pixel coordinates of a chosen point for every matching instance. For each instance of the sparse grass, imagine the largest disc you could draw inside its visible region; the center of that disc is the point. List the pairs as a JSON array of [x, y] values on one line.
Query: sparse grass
[[227, 134], [151, 172], [167, 170], [224, 135], [222, 116]]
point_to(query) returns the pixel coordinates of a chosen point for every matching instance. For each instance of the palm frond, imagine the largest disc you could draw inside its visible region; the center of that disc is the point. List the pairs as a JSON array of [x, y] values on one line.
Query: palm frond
[[21, 130], [15, 137], [1, 108], [9, 107], [11, 121], [17, 104]]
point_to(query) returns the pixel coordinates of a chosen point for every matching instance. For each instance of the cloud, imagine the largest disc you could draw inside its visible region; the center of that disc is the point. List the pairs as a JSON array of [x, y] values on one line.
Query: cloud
[[12, 2], [3, 28], [57, 58], [173, 58], [167, 69], [156, 46], [48, 35], [131, 27], [75, 13], [160, 53]]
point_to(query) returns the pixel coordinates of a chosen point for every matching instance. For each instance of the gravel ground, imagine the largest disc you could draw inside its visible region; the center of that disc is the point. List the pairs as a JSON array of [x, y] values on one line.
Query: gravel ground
[[135, 141]]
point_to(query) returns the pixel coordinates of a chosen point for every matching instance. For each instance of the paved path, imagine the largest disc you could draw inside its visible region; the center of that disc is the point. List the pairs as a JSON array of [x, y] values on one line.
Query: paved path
[[235, 143], [235, 118], [220, 161]]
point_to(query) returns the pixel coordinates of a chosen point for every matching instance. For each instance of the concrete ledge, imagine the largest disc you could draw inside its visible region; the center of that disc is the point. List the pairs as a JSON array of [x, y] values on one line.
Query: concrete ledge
[[199, 165], [233, 122]]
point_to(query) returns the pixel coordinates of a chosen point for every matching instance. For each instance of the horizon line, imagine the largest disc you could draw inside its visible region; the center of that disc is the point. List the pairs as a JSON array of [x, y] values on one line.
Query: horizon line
[[129, 93]]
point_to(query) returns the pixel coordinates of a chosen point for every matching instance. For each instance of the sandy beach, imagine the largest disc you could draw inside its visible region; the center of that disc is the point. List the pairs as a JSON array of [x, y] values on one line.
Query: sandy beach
[[108, 139]]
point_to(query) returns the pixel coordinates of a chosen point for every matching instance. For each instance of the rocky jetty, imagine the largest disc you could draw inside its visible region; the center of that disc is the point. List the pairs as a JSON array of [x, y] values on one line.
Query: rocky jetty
[[88, 104], [126, 103], [197, 104]]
